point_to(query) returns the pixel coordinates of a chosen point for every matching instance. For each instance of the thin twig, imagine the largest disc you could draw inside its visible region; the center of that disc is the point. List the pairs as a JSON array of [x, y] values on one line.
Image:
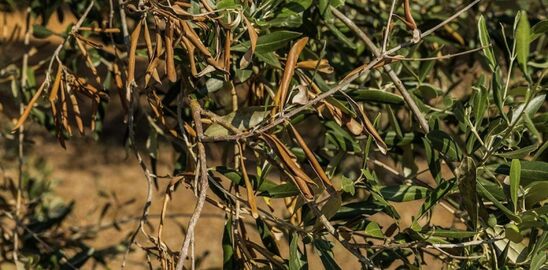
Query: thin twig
[[387, 33], [348, 80], [133, 99], [21, 139], [428, 245], [195, 108], [442, 57], [282, 117], [457, 257], [393, 76]]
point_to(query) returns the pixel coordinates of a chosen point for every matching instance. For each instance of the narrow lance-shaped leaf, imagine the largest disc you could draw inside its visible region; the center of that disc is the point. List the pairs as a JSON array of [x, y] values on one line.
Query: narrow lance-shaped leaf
[[281, 191], [170, 62], [434, 197], [520, 152], [498, 92], [445, 145], [64, 110], [298, 175], [76, 113], [148, 41], [515, 177], [410, 22], [227, 52], [432, 157], [404, 193], [321, 66], [539, 29], [56, 84], [467, 188], [290, 64], [248, 186], [311, 157], [377, 96], [485, 42], [297, 260], [326, 254], [497, 203], [523, 41], [131, 54], [253, 37], [29, 107], [269, 42]]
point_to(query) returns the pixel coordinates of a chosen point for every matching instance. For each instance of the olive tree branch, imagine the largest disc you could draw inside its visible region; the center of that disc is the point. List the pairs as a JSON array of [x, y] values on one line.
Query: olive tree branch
[[195, 108]]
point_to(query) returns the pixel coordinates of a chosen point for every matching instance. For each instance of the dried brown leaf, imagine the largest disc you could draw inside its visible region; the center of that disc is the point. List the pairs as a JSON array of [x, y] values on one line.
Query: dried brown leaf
[[322, 66], [64, 110], [409, 16], [311, 157], [253, 37], [76, 113], [56, 83], [170, 62], [132, 49], [249, 187], [298, 175], [290, 64], [28, 109]]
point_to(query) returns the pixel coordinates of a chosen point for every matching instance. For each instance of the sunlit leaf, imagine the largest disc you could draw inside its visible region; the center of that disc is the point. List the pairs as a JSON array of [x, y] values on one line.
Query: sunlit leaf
[[445, 145], [297, 260], [523, 41], [515, 177]]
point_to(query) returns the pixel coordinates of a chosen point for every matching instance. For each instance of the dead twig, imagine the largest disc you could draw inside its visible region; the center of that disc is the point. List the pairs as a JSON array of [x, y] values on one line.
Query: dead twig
[[204, 184], [393, 76]]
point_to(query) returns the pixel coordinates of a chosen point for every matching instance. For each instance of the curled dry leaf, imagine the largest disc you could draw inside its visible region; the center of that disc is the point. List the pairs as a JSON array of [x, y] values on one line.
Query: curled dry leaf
[[151, 69], [56, 84], [369, 127], [191, 35], [409, 21], [89, 62], [227, 53], [170, 62], [248, 185], [76, 113], [302, 96], [27, 110], [148, 42], [64, 109], [322, 66], [194, 38], [253, 37], [180, 11], [132, 49], [298, 175], [150, 52], [290, 65], [311, 157], [352, 125]]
